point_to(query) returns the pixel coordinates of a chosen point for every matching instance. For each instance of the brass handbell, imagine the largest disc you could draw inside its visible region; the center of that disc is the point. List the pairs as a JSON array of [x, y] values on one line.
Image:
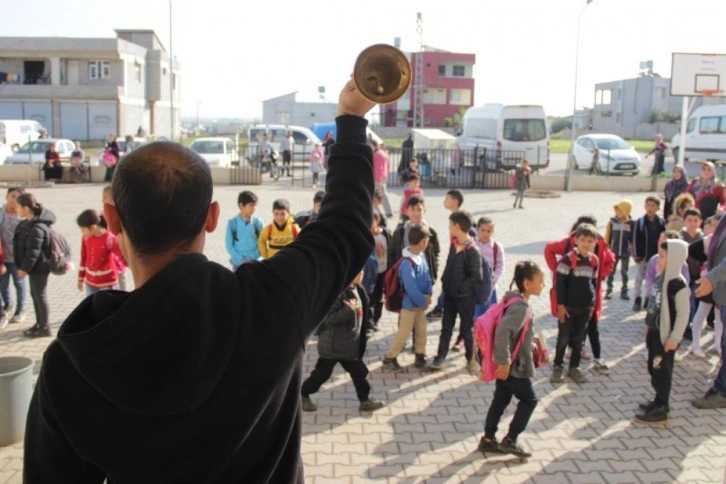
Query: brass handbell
[[382, 73]]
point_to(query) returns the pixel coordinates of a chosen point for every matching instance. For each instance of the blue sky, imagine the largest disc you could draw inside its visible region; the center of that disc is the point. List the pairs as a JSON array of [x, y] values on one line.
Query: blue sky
[[236, 54]]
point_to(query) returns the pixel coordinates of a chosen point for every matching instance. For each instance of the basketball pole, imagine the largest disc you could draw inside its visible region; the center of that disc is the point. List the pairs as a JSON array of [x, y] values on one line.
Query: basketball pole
[[684, 121]]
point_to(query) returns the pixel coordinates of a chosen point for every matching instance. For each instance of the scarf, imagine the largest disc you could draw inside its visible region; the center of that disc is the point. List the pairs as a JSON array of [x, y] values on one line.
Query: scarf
[[675, 187], [716, 240]]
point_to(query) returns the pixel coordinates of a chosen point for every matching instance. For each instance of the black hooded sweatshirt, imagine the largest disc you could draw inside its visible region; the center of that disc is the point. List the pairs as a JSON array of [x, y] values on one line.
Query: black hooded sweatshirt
[[195, 376]]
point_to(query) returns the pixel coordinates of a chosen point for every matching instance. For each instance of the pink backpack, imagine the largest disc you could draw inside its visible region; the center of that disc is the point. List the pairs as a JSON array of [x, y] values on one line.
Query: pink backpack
[[485, 328], [513, 180]]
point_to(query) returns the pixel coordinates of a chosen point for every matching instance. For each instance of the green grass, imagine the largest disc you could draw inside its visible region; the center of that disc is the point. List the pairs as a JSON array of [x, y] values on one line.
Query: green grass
[[563, 145]]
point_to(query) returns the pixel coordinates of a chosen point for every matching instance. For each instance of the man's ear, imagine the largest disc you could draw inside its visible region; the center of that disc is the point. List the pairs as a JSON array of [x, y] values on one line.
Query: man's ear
[[114, 221], [212, 217]]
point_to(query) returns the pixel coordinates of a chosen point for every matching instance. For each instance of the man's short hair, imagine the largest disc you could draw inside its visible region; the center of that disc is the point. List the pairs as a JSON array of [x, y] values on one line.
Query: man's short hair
[[318, 197], [162, 193], [462, 219], [281, 204], [246, 197], [416, 233], [456, 195], [692, 212], [653, 198], [415, 200], [586, 230]]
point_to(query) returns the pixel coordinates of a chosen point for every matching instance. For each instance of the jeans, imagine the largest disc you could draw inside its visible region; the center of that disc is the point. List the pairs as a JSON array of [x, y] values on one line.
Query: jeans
[[381, 186], [19, 284], [93, 290], [719, 384], [324, 368], [503, 392], [571, 333], [640, 270], [464, 307], [593, 334], [624, 266], [660, 367], [38, 285], [519, 196], [440, 303], [480, 309]]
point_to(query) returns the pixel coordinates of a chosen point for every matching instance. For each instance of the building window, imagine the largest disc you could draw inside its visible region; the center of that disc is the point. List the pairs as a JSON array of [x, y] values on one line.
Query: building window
[[458, 71], [660, 92], [434, 96], [603, 96], [99, 70], [460, 97], [442, 70], [137, 71], [606, 114]]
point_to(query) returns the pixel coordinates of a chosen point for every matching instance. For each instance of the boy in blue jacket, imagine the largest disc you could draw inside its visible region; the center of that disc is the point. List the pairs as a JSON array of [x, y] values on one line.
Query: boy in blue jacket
[[243, 231], [415, 279]]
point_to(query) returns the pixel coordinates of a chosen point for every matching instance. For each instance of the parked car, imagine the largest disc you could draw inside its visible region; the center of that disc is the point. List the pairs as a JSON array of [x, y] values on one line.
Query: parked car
[[5, 151], [304, 139], [16, 132], [216, 151], [34, 152], [612, 153], [123, 144], [705, 134]]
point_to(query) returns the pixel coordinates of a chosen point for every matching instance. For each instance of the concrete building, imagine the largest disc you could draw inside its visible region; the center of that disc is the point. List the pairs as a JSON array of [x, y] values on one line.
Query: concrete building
[[85, 89], [286, 110], [448, 87]]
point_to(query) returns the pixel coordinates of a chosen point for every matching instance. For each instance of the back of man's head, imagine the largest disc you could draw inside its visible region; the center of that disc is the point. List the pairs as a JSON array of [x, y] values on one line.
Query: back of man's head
[[162, 192]]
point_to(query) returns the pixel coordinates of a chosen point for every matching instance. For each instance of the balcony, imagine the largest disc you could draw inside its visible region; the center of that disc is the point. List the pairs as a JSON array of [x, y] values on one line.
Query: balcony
[[47, 91]]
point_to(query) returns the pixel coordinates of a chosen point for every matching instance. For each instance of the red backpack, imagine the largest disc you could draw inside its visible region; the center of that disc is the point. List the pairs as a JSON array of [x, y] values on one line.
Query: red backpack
[[485, 328], [394, 290]]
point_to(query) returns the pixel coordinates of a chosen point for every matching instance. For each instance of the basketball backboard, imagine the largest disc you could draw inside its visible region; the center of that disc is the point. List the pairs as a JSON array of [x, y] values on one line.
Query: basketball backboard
[[698, 74]]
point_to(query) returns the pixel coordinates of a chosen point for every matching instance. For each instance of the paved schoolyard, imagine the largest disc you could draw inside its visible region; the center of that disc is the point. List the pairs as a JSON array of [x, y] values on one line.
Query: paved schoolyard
[[430, 428]]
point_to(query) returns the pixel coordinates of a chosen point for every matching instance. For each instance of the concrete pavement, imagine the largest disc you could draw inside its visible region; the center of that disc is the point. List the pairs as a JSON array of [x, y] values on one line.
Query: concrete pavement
[[431, 425]]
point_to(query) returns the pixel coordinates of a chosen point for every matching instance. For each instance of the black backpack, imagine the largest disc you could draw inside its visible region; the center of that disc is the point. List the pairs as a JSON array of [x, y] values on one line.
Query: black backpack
[[58, 253]]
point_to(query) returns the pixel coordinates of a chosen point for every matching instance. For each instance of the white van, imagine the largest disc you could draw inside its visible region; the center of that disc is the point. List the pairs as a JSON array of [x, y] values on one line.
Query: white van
[[705, 134], [510, 132], [18, 132], [304, 138]]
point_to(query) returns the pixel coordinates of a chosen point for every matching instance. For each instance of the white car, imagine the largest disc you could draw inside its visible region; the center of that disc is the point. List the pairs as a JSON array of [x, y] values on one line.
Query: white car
[[216, 151], [614, 155], [5, 151], [34, 151], [303, 138]]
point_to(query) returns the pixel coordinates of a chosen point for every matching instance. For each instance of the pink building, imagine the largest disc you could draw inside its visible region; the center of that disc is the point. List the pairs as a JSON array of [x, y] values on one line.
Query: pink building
[[447, 88]]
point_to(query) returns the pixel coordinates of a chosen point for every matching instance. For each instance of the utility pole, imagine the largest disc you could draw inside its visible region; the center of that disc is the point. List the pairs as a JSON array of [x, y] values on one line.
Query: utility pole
[[418, 108]]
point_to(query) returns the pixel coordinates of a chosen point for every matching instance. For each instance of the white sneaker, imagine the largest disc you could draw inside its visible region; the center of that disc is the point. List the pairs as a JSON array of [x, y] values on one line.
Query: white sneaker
[[698, 353]]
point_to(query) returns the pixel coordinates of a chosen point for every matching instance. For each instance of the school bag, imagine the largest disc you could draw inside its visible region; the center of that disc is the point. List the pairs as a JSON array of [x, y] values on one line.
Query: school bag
[[484, 291], [485, 329], [59, 253], [293, 229], [394, 288], [232, 225], [513, 179]]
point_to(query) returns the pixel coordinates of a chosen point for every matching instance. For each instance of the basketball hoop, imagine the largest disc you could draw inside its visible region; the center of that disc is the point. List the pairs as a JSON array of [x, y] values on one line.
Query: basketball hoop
[[711, 92]]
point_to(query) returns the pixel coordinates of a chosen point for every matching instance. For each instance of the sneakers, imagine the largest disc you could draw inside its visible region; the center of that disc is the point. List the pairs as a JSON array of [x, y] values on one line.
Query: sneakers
[[437, 364], [576, 375], [18, 317], [624, 296], [421, 362], [308, 405], [370, 405], [636, 304], [458, 344], [600, 367], [472, 367], [390, 365], [37, 332], [508, 446], [609, 294], [556, 376], [435, 314], [696, 353], [4, 321], [712, 399], [489, 446], [585, 354], [654, 416]]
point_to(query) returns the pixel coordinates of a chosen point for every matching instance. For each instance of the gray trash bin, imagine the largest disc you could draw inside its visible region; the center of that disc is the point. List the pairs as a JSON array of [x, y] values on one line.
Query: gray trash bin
[[16, 388]]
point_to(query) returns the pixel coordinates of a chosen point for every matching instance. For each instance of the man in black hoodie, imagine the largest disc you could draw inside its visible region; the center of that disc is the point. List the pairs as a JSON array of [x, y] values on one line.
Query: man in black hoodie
[[175, 381]]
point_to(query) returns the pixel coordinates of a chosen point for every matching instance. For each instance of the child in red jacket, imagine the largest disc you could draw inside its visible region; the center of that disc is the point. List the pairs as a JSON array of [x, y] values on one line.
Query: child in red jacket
[[99, 250], [606, 259]]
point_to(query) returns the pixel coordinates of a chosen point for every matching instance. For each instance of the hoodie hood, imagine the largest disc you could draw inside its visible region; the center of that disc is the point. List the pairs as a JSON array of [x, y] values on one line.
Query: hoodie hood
[[625, 206], [416, 258], [46, 217], [676, 257], [163, 348]]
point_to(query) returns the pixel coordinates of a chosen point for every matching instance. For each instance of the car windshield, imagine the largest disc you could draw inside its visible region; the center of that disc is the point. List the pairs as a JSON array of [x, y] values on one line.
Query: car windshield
[[33, 147], [612, 144], [207, 147], [524, 130]]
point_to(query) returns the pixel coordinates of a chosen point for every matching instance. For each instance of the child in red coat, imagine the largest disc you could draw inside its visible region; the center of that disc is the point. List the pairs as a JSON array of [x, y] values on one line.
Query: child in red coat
[[99, 250], [606, 264]]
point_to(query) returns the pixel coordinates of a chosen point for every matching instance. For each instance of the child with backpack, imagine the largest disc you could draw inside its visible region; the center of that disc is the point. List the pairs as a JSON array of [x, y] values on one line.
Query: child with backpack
[[515, 368], [413, 277], [31, 256], [243, 231], [99, 249], [281, 232]]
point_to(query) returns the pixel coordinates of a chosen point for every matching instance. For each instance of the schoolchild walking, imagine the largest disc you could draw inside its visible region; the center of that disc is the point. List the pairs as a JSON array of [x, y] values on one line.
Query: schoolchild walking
[[243, 231], [415, 280], [30, 248], [645, 243], [99, 249], [317, 158], [381, 238], [575, 283], [514, 371], [619, 236], [9, 221], [666, 320], [340, 342], [521, 182]]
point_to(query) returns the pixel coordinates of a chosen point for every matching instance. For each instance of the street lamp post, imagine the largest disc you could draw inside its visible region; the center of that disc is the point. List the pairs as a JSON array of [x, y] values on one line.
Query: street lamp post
[[571, 156]]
